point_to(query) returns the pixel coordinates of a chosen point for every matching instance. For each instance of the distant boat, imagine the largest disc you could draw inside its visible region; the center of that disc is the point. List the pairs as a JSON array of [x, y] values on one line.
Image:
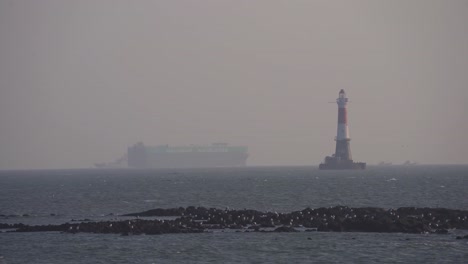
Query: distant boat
[[383, 163], [409, 163]]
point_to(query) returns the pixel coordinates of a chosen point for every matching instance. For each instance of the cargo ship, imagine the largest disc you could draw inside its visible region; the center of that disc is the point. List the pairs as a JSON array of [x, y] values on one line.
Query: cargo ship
[[193, 156]]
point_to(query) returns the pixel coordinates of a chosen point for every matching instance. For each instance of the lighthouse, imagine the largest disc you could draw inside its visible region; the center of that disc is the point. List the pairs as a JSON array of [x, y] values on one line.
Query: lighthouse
[[342, 159]]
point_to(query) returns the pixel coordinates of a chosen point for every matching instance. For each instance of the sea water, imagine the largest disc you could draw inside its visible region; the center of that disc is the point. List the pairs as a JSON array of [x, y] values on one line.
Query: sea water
[[59, 196]]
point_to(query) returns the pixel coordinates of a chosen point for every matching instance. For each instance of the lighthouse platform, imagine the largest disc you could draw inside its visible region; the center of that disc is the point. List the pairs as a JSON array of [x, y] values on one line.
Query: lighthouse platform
[[334, 163]]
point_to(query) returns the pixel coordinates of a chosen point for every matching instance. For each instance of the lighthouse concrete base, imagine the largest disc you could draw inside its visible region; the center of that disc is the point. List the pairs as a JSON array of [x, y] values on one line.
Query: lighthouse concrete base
[[333, 163]]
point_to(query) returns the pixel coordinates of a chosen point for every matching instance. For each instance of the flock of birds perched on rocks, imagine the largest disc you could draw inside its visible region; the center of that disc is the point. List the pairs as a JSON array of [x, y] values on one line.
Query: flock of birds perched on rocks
[[337, 219]]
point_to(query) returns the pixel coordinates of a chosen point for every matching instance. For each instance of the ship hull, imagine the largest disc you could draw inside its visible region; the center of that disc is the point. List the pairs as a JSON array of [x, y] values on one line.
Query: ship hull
[[195, 160]]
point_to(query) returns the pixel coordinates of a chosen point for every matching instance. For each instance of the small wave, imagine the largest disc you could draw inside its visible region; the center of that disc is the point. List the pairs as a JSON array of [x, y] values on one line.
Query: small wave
[[150, 201], [392, 179]]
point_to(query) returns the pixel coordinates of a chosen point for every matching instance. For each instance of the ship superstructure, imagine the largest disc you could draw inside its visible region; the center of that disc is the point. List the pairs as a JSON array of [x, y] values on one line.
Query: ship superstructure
[[342, 159]]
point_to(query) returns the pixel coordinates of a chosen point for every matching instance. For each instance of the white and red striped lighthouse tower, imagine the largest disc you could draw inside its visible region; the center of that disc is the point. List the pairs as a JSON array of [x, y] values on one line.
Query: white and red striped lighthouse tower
[[342, 159], [343, 150]]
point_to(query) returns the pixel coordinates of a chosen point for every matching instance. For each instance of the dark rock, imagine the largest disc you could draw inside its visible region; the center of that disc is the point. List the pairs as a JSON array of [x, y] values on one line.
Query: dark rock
[[255, 228], [285, 229], [4, 226], [162, 212], [441, 231], [337, 219]]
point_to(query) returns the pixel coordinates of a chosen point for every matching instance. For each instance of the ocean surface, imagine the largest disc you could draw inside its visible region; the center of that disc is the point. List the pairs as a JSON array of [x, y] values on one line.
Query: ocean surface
[[59, 196]]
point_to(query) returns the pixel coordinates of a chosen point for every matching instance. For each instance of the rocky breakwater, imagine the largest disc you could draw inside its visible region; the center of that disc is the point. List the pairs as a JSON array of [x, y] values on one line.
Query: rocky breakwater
[[336, 219]]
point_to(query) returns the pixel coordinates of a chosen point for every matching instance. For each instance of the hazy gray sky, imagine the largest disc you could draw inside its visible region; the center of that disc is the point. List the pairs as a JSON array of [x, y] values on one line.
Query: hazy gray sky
[[80, 81]]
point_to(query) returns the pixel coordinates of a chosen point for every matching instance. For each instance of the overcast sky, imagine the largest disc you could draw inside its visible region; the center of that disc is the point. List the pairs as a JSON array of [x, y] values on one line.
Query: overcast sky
[[80, 81]]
